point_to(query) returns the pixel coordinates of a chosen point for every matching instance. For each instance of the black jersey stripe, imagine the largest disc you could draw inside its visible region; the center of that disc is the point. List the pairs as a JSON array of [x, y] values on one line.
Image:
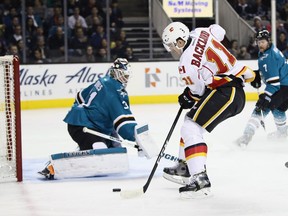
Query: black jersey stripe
[[122, 120]]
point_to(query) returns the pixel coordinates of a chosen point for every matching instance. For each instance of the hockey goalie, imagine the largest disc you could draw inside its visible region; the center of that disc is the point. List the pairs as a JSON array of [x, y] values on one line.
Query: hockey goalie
[[102, 107]]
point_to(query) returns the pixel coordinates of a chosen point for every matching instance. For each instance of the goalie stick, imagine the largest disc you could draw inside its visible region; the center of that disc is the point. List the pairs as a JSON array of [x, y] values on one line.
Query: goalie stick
[[139, 192], [126, 142]]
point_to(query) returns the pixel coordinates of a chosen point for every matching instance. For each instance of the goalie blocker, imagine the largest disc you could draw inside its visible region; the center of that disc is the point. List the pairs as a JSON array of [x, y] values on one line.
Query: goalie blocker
[[88, 163]]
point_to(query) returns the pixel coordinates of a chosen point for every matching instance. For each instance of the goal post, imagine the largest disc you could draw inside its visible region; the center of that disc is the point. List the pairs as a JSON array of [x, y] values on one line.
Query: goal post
[[10, 120]]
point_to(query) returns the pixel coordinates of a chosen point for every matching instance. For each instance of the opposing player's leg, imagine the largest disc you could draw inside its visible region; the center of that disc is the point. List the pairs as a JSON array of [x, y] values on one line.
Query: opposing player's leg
[[280, 121], [252, 125]]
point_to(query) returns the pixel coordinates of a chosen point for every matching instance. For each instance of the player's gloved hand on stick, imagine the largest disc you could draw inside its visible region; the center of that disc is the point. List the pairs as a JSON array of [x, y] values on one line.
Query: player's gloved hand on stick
[[187, 99], [256, 83], [279, 97], [263, 102]]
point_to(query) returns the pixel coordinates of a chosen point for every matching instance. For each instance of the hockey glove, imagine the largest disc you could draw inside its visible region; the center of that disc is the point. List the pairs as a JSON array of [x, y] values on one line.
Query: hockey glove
[[263, 102], [279, 98], [256, 83], [187, 99]]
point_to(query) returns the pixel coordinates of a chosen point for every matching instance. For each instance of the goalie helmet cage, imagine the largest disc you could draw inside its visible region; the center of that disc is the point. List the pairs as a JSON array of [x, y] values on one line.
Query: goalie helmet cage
[[10, 120]]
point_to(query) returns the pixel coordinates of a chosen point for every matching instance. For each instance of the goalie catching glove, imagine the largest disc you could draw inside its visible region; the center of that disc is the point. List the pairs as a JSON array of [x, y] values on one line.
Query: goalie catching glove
[[147, 146], [187, 99]]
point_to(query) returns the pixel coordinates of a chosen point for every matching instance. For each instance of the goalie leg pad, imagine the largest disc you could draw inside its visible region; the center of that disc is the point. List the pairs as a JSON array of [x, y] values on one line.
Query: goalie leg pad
[[145, 141], [88, 163]]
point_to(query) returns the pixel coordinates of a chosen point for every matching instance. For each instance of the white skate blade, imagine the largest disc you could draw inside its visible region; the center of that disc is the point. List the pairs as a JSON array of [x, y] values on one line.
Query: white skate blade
[[203, 193], [176, 179]]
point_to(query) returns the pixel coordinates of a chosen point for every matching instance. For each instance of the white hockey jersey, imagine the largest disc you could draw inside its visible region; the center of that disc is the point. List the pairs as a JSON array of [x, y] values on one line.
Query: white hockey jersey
[[206, 62]]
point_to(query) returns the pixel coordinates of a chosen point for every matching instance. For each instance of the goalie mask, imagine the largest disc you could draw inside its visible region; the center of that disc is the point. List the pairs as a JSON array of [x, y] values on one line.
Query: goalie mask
[[121, 70], [171, 34]]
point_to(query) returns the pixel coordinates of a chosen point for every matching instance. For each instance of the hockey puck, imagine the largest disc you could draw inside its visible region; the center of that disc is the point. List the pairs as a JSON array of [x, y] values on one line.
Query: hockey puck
[[116, 189], [286, 164]]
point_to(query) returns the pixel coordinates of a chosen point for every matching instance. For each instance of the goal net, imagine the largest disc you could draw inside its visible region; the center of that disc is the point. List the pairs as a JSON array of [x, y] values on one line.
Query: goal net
[[10, 120]]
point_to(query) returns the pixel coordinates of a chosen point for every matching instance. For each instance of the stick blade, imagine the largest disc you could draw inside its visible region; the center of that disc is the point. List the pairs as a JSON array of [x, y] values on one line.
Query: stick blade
[[128, 194]]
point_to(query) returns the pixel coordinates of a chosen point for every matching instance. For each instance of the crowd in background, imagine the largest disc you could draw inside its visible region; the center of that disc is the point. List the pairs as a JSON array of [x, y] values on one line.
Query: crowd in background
[[86, 29], [44, 32], [258, 14]]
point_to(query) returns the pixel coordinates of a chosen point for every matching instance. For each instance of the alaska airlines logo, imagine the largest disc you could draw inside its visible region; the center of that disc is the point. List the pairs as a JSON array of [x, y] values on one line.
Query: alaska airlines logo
[[151, 77]]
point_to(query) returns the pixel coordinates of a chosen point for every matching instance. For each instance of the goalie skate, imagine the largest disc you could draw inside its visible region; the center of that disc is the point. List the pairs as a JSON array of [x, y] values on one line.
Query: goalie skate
[[48, 172], [178, 174], [199, 187]]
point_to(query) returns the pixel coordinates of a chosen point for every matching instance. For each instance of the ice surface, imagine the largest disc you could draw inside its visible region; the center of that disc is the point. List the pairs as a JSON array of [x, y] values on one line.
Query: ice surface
[[251, 181]]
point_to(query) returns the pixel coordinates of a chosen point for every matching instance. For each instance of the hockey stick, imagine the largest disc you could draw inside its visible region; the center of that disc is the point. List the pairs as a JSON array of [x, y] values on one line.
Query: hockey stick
[[139, 192], [262, 116], [115, 139], [126, 142]]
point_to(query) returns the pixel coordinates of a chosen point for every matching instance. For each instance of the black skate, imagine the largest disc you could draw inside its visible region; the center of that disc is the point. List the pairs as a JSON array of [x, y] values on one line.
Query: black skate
[[198, 187], [48, 172], [178, 174]]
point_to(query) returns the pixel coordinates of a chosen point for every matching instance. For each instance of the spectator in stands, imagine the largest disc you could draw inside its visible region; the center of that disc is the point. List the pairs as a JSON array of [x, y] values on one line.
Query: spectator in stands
[[89, 4], [9, 30], [36, 19], [123, 39], [252, 48], [22, 49], [89, 56], [259, 9], [56, 44], [234, 48], [39, 9], [30, 32], [258, 25], [97, 36], [9, 16], [129, 54], [41, 47], [243, 9], [101, 55], [59, 23], [282, 41], [119, 50], [16, 36], [3, 49], [243, 54], [13, 50], [37, 57], [79, 42], [95, 22], [77, 18], [53, 20], [116, 15], [94, 15]]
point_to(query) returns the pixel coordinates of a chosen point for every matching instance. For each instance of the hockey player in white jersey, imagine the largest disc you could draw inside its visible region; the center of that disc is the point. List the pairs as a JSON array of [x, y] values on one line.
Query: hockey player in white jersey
[[214, 92]]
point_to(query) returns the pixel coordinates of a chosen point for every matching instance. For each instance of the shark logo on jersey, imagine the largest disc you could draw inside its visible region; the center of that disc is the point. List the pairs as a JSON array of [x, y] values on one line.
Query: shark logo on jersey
[[265, 55], [122, 92]]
